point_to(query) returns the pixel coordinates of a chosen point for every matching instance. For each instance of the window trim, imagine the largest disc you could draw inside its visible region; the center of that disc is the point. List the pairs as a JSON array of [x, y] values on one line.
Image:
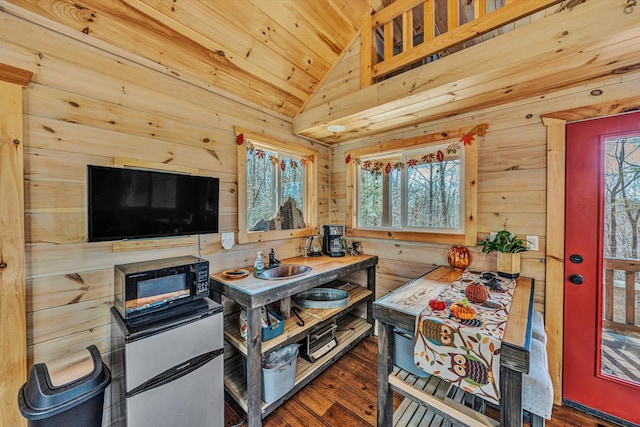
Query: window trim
[[310, 205], [470, 234]]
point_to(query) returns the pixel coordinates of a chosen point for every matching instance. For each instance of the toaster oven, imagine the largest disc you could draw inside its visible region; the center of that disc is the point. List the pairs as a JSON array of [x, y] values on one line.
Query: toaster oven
[[320, 342]]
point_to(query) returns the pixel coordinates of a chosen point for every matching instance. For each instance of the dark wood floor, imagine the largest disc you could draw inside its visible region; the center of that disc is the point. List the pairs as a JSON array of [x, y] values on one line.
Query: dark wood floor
[[345, 396]]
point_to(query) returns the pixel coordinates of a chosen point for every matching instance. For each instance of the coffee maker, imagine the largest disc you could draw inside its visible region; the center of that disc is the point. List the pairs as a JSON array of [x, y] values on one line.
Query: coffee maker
[[333, 241]]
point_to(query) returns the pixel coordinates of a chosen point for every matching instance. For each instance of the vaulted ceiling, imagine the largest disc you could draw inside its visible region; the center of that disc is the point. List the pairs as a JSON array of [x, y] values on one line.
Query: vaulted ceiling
[[276, 54], [272, 53]]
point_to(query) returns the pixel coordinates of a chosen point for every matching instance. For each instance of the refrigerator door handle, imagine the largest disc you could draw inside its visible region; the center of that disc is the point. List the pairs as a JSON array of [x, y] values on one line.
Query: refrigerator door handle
[[176, 372]]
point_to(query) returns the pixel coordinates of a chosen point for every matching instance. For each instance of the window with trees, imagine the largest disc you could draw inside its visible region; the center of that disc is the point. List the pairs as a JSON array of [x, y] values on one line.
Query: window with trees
[[418, 189], [276, 188], [622, 197]]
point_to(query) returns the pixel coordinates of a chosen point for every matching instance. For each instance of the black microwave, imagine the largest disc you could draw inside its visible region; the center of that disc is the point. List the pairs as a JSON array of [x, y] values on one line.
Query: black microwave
[[146, 287]]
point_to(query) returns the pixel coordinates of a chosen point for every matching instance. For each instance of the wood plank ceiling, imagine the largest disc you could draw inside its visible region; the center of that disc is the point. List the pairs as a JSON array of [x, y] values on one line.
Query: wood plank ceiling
[[270, 53], [275, 54]]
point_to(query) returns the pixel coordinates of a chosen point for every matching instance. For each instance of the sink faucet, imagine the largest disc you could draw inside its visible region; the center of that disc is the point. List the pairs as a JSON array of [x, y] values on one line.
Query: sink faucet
[[273, 262]]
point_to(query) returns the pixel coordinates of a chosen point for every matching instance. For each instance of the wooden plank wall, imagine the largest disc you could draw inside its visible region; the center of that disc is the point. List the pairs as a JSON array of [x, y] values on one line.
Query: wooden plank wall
[[512, 181], [512, 172], [87, 106], [13, 342]]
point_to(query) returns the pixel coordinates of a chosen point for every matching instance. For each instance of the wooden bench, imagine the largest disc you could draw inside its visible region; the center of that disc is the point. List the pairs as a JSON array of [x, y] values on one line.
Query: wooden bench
[[537, 395], [432, 401]]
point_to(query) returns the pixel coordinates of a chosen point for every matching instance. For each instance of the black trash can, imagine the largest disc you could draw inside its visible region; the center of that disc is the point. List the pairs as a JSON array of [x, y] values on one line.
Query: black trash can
[[73, 396]]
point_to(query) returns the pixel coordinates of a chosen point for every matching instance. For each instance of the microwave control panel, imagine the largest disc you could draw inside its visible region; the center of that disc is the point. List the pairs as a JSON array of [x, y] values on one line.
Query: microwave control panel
[[202, 279]]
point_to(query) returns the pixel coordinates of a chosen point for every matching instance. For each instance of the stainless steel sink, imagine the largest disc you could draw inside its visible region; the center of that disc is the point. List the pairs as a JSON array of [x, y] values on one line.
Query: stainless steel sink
[[283, 271]]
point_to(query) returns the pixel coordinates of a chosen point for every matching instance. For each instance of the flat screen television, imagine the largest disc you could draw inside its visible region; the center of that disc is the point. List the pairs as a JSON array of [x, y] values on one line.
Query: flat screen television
[[133, 204]]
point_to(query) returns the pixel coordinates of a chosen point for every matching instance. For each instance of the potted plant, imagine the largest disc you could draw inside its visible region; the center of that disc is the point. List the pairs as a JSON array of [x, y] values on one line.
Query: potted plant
[[508, 247]]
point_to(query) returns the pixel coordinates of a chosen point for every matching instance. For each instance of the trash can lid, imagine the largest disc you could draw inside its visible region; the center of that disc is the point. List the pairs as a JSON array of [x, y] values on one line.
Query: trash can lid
[[65, 384], [66, 370]]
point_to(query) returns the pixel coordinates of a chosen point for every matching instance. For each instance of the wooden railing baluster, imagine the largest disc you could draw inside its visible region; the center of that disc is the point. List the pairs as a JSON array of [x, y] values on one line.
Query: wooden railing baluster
[[608, 294], [630, 297], [407, 30], [626, 323], [429, 25], [480, 8], [456, 33], [367, 53], [388, 40], [453, 15]]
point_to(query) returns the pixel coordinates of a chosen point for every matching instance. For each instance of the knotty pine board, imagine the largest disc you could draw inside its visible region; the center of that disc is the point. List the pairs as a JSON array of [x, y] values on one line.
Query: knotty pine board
[[62, 290], [87, 107], [254, 30], [109, 78], [54, 103], [69, 319], [533, 201], [62, 136], [61, 347], [343, 79], [13, 340], [152, 47]]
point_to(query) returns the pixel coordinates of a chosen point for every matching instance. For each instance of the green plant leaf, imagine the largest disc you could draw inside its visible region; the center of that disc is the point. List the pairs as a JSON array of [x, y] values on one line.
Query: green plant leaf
[[504, 242]]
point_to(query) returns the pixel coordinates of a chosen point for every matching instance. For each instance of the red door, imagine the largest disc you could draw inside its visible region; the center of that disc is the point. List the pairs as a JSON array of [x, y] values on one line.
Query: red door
[[602, 351]]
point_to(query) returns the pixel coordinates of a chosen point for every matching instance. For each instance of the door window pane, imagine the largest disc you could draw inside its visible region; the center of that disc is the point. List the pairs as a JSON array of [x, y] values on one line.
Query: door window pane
[[620, 347]]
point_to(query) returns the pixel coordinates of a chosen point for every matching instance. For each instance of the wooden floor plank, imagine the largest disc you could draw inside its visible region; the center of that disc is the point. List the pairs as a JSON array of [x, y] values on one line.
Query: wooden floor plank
[[317, 402], [342, 397], [297, 414], [359, 405], [338, 415]]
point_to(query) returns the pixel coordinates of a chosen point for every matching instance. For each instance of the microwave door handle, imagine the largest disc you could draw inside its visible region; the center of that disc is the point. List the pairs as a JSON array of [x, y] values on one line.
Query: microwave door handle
[[176, 372]]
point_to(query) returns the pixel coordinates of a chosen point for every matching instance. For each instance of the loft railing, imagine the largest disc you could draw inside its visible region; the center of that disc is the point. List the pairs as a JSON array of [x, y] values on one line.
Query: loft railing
[[409, 31], [614, 313]]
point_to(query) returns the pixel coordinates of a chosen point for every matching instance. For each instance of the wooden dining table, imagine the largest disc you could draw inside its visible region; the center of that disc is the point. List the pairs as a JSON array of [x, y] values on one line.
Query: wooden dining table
[[400, 308]]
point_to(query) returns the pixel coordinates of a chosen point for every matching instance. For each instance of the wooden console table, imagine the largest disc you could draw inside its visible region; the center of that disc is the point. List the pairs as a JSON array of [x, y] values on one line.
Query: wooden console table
[[253, 294], [400, 308]]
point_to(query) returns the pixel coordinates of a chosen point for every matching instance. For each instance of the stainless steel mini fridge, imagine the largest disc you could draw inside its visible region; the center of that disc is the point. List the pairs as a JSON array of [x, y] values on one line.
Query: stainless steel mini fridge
[[173, 367]]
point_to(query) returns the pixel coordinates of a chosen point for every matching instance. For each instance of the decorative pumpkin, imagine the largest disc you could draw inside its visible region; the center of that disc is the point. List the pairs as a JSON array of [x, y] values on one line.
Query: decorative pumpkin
[[437, 304], [476, 292], [458, 257], [462, 310]]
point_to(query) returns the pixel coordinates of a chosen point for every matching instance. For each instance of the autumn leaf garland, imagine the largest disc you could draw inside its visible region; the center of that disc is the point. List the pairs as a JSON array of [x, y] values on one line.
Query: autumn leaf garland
[[439, 155], [260, 153]]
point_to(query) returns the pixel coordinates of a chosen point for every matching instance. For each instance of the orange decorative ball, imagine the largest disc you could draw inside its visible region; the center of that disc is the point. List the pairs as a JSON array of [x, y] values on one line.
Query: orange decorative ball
[[458, 257], [476, 292]]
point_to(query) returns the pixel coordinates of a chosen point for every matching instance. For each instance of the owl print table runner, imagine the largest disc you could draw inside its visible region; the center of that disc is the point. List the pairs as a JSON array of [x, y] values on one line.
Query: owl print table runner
[[466, 352]]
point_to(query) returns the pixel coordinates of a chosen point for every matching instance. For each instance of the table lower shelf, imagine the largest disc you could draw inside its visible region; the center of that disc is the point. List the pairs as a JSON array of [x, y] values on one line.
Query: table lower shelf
[[351, 330], [429, 401]]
